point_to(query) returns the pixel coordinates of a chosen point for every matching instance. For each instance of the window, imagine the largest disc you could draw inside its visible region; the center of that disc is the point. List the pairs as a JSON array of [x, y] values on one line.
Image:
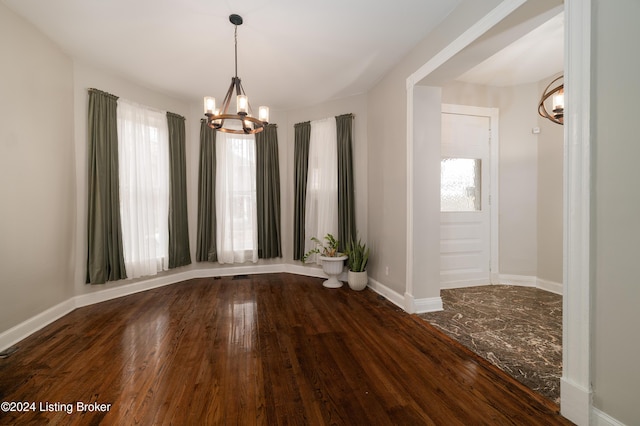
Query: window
[[143, 160], [321, 209], [236, 203], [460, 184]]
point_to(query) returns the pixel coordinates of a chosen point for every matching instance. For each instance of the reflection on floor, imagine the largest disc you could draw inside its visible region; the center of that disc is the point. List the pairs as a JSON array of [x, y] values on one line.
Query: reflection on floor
[[519, 329]]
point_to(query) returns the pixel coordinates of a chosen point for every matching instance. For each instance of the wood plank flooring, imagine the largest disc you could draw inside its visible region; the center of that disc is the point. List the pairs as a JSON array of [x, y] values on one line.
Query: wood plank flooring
[[274, 349]]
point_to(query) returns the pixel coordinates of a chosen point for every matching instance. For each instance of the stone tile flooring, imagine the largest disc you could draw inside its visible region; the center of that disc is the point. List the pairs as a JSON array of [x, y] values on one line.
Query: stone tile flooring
[[518, 329]]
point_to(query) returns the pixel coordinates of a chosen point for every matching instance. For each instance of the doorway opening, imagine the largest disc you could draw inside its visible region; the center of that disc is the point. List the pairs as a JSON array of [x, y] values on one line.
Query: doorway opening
[[421, 286], [429, 80]]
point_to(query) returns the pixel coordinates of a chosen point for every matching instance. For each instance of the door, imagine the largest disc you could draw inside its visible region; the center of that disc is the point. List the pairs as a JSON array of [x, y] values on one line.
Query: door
[[465, 210]]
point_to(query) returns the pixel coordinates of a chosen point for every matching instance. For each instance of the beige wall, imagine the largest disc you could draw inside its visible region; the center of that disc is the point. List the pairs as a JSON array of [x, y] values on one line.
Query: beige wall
[[550, 196], [616, 209], [37, 172], [518, 180], [387, 155]]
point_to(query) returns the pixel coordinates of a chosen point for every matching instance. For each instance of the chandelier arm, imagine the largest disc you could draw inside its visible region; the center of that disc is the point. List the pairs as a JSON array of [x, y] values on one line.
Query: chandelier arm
[[227, 98], [225, 106], [551, 84], [541, 106]]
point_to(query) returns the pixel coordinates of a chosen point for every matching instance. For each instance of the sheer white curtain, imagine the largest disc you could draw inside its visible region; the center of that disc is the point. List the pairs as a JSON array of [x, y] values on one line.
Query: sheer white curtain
[[321, 209], [236, 203], [143, 157]]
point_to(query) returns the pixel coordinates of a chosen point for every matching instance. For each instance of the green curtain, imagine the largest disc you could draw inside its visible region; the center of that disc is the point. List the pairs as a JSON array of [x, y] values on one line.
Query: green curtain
[[346, 198], [301, 166], [105, 255], [268, 192], [206, 250], [179, 253]]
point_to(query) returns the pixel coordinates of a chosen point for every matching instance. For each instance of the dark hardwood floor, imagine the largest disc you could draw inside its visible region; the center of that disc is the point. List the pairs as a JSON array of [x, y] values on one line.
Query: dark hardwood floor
[[269, 349]]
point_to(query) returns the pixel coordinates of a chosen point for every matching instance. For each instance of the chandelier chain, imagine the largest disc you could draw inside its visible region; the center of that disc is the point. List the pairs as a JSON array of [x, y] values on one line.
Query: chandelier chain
[[235, 36]]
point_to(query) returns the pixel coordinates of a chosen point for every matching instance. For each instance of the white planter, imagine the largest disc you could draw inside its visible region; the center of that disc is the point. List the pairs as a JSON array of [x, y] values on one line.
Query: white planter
[[358, 280], [332, 266]]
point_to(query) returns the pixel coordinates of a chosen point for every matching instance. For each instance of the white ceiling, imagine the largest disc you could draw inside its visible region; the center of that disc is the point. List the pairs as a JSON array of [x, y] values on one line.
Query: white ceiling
[[533, 57], [291, 53]]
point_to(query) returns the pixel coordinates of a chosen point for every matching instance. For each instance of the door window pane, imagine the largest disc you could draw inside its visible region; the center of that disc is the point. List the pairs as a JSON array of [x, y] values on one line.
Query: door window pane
[[460, 184]]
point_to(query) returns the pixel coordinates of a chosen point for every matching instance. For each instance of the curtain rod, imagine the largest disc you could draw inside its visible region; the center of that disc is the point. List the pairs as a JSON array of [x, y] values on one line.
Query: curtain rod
[[336, 116]]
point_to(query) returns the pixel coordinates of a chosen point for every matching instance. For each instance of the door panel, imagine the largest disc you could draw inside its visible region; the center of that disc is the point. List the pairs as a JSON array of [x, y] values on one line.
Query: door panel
[[465, 218]]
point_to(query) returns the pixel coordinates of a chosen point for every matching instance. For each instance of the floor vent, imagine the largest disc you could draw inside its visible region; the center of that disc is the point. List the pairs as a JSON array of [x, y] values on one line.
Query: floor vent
[[241, 277], [8, 352]]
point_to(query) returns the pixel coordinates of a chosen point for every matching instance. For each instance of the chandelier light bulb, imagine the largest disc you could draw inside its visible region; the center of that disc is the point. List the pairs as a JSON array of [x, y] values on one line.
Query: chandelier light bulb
[[209, 104], [558, 100], [243, 104], [263, 114]]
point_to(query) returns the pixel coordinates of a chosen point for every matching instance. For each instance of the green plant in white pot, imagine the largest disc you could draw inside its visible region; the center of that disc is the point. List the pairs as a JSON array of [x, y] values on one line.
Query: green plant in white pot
[[332, 260], [358, 258]]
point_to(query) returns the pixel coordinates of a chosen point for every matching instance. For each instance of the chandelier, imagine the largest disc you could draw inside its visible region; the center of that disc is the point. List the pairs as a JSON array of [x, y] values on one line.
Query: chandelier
[[558, 102], [220, 119]]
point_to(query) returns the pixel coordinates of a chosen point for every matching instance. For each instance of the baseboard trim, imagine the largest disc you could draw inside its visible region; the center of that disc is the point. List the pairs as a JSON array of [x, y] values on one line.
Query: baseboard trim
[[550, 286], [599, 418], [430, 304], [462, 284], [521, 280], [172, 278], [530, 281], [35, 323], [309, 271], [575, 402], [389, 294]]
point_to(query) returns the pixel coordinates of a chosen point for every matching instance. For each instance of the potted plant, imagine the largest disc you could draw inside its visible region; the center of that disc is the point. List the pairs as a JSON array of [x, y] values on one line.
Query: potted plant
[[332, 259], [358, 258]]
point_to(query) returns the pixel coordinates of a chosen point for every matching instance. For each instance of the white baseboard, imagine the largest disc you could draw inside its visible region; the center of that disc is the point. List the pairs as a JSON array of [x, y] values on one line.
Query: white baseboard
[[389, 294], [530, 281], [33, 324], [521, 280], [550, 286], [599, 418], [420, 306], [575, 402], [172, 278], [309, 271], [135, 287], [407, 302], [462, 284]]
